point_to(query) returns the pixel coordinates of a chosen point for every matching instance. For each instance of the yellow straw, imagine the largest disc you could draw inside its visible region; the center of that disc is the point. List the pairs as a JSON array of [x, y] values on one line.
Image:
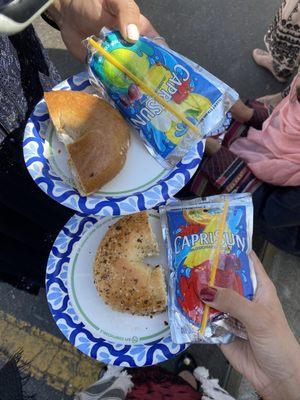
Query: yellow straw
[[215, 264], [141, 84]]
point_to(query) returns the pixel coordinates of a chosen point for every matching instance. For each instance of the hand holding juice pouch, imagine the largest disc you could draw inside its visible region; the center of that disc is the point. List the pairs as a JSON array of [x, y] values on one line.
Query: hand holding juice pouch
[[190, 229], [188, 89]]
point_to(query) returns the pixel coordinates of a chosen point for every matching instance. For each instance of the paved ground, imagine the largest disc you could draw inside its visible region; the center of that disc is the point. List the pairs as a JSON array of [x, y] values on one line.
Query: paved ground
[[219, 35]]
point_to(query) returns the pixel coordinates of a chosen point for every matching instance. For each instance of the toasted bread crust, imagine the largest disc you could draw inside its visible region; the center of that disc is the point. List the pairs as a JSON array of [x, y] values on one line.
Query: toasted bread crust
[[99, 137]]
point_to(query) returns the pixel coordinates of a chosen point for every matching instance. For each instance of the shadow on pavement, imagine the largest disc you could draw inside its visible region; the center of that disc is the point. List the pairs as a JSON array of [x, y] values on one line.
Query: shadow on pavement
[[66, 64]]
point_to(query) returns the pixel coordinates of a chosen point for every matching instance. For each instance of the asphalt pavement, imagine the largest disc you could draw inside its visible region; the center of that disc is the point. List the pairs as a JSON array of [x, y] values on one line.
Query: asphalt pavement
[[219, 35]]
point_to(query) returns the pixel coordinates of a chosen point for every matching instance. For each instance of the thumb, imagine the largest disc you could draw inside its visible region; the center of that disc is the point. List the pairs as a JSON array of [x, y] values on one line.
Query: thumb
[[229, 301], [127, 14], [146, 28]]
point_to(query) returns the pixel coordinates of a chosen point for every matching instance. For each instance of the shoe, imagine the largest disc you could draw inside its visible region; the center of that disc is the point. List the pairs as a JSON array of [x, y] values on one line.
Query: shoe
[[186, 362], [102, 371]]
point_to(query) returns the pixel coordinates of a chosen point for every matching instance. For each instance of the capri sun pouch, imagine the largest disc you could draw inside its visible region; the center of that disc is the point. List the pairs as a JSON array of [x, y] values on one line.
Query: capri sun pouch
[[190, 230], [188, 88]]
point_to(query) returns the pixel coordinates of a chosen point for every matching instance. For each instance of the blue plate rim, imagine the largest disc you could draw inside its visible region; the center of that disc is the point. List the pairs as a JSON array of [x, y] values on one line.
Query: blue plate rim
[[68, 321], [39, 169]]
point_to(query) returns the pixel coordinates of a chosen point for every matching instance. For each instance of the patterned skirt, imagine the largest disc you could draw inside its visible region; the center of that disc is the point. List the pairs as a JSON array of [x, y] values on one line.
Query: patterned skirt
[[283, 38]]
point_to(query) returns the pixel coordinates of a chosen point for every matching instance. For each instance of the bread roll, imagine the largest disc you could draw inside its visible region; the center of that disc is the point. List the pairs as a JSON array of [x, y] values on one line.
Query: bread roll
[[123, 279], [95, 135]]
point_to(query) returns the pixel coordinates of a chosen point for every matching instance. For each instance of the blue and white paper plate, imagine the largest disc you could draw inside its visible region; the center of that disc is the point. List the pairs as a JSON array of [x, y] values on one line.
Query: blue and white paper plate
[[142, 184], [80, 313]]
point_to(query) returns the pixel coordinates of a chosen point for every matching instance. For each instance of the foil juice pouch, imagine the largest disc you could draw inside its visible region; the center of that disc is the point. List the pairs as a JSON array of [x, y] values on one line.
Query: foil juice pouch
[[190, 230], [199, 96]]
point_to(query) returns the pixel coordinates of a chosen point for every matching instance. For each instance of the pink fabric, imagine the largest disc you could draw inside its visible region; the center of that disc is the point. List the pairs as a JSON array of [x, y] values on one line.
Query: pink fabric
[[273, 154]]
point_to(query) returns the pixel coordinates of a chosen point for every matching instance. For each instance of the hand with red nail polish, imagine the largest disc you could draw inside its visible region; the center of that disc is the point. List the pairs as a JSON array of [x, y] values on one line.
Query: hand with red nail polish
[[270, 358], [208, 294]]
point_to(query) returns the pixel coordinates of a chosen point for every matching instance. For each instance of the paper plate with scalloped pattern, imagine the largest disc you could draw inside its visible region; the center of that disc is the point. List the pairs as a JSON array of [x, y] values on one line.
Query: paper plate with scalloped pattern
[[142, 184], [79, 312]]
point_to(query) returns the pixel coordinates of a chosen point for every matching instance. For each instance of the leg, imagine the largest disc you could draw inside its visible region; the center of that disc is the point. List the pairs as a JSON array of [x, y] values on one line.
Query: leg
[[246, 115], [271, 100], [283, 43], [212, 146], [277, 216], [253, 116], [240, 112], [265, 59]]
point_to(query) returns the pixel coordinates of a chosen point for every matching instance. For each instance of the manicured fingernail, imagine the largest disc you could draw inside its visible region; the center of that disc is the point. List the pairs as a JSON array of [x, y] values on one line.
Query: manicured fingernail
[[133, 32], [208, 294]]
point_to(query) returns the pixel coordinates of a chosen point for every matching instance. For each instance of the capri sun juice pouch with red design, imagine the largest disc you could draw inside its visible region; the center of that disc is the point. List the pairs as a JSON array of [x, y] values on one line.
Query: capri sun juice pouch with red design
[[189, 89], [190, 230]]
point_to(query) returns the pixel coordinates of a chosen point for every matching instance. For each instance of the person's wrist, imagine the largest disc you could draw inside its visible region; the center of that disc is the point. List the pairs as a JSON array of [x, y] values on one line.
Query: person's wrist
[[288, 390]]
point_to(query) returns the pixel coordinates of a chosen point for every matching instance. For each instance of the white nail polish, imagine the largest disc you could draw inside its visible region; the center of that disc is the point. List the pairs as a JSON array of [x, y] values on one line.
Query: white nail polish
[[132, 32]]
